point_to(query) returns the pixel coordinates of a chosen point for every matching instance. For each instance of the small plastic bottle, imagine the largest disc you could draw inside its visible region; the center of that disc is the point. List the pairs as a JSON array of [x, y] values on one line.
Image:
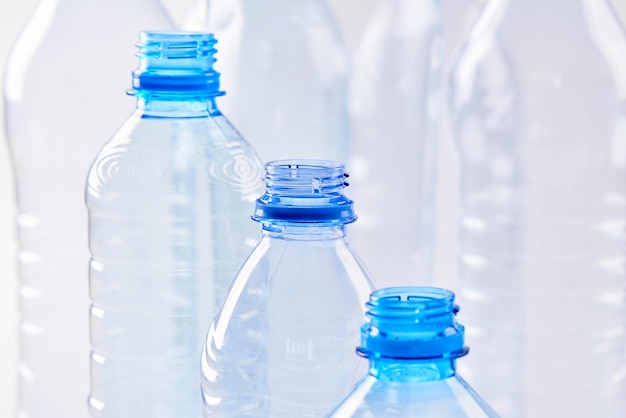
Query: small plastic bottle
[[169, 198], [412, 341], [281, 344], [538, 102], [62, 98], [395, 96]]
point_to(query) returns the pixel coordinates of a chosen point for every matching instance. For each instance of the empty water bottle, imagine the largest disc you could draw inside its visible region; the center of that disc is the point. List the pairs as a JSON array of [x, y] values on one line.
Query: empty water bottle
[[62, 85], [412, 341], [169, 198], [539, 115], [395, 110], [285, 70], [281, 344]]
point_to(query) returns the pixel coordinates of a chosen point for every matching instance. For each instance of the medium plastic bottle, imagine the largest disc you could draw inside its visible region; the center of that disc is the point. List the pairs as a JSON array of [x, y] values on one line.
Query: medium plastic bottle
[[169, 198], [61, 92], [281, 343], [412, 341], [395, 110], [285, 70], [538, 104]]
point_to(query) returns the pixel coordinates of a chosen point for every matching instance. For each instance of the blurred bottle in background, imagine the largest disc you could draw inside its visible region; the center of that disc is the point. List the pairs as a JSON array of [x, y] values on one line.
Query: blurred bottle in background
[[412, 340], [62, 97], [169, 200], [285, 70], [395, 110], [281, 345], [538, 105]]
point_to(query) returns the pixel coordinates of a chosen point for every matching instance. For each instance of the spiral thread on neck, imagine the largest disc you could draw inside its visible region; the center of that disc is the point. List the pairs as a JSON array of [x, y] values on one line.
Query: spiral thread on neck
[[176, 62], [413, 323], [305, 191]]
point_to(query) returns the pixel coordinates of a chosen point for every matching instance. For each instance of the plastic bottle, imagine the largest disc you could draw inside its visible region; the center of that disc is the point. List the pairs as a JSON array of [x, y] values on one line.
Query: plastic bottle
[[281, 343], [412, 341], [395, 111], [61, 92], [285, 70], [538, 106], [169, 197]]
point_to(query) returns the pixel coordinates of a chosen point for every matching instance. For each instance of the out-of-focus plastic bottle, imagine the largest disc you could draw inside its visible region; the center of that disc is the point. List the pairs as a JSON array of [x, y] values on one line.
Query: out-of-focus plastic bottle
[[538, 106], [281, 345], [395, 106], [412, 341], [62, 99], [169, 198], [285, 70]]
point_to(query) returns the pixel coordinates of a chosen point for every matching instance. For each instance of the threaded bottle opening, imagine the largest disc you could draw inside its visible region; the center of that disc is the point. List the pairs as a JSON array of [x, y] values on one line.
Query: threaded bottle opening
[[412, 323], [176, 62], [305, 191]]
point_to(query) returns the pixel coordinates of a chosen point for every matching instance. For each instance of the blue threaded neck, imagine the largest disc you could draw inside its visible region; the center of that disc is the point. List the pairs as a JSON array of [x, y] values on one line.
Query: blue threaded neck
[[176, 63], [303, 192], [412, 323]]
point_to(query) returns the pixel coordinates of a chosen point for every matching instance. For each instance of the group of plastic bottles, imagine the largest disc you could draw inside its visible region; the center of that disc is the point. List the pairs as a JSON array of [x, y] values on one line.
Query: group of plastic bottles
[[191, 313]]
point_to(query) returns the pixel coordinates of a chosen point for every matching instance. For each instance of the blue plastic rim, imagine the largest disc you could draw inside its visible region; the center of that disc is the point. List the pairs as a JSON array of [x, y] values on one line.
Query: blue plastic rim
[[305, 191], [176, 62], [412, 323]]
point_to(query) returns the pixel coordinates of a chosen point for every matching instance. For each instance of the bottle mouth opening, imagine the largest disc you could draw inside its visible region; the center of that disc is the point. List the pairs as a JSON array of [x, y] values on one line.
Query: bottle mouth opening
[[176, 61], [412, 323], [305, 192]]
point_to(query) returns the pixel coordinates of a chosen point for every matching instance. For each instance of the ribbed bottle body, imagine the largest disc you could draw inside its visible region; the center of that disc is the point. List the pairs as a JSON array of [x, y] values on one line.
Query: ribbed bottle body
[[395, 101], [283, 342], [540, 131], [284, 67], [169, 201], [64, 88]]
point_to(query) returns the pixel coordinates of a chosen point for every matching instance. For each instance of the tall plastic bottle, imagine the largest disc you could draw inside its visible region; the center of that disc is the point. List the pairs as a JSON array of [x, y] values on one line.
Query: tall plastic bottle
[[539, 113], [169, 198], [412, 341], [62, 99], [285, 70], [395, 110], [281, 344]]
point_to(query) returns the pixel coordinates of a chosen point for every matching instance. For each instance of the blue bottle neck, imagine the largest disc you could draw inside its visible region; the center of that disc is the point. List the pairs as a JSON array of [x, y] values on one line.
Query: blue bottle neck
[[412, 370], [179, 107], [309, 232]]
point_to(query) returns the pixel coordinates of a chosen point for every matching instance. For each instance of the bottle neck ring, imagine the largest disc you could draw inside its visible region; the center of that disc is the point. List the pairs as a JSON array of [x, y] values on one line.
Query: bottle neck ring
[[176, 65], [304, 192], [412, 323]]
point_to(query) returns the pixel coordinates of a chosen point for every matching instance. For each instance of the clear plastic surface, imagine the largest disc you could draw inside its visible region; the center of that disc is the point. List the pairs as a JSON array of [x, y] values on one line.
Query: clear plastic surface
[[281, 345], [412, 341], [395, 111], [169, 197], [285, 70], [538, 104], [64, 95]]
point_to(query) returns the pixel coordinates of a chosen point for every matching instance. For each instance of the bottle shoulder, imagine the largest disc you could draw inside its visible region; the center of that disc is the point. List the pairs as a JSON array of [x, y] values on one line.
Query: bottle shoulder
[[289, 275], [168, 156], [447, 398]]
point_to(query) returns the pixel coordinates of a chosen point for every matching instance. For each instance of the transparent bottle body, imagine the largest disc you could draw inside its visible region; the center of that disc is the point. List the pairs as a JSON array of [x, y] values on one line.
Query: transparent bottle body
[[394, 108], [169, 202], [411, 389], [282, 344], [539, 118], [63, 97], [284, 66]]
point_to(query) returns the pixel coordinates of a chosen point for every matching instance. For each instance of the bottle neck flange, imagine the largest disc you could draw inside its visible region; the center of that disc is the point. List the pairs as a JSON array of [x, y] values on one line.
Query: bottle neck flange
[[304, 192], [176, 65], [412, 323]]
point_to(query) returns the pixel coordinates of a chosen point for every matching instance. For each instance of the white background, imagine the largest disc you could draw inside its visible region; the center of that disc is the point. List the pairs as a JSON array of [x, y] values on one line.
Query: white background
[[353, 15]]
